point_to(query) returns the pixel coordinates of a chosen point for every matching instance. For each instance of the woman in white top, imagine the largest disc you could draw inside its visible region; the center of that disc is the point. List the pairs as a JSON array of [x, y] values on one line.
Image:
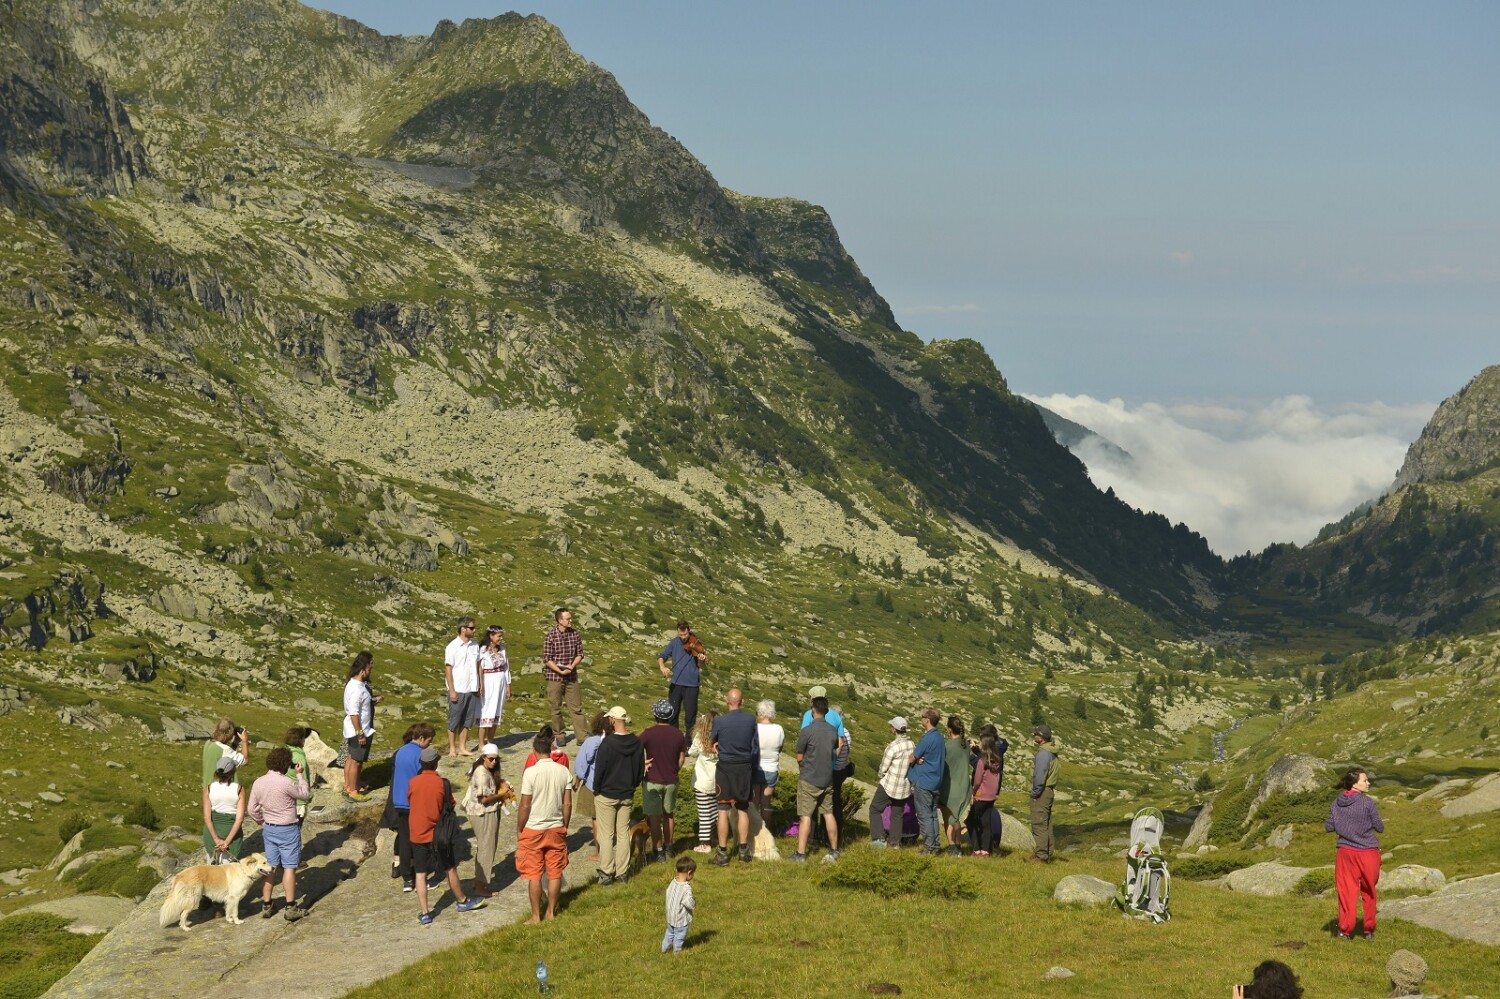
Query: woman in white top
[[359, 723], [223, 813], [768, 770], [482, 805], [494, 681]]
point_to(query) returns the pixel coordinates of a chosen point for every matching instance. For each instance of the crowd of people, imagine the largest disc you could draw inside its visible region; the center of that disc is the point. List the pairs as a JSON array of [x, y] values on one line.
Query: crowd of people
[[937, 792]]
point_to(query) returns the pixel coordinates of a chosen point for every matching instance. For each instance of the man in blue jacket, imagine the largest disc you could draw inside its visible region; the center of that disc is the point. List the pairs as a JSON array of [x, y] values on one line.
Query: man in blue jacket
[[682, 663], [406, 765], [926, 776]]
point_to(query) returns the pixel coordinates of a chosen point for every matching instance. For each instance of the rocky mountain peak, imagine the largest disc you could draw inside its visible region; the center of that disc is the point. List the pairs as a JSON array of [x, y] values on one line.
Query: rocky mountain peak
[[1463, 436]]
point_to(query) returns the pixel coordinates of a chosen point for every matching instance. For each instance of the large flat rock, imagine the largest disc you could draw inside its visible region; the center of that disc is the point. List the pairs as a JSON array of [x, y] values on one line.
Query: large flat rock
[[1468, 909], [87, 913], [1485, 797], [348, 901]]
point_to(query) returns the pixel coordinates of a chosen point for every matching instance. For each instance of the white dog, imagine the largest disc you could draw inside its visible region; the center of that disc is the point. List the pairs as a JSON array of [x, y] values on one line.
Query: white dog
[[227, 883]]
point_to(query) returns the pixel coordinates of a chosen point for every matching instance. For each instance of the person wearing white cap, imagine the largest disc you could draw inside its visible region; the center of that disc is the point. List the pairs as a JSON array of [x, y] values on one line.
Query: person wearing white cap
[[893, 788], [482, 806], [619, 769]]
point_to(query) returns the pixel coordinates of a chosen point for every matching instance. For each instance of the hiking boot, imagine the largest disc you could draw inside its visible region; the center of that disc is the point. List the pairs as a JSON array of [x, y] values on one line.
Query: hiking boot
[[605, 879], [798, 858], [292, 913], [830, 856], [744, 853], [470, 904], [396, 870], [1369, 935], [1344, 936], [720, 858], [1034, 859], [879, 844], [266, 909], [408, 884], [954, 851]]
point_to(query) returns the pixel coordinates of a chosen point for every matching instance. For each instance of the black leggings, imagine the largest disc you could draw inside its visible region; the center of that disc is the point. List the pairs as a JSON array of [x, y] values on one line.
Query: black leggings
[[684, 701], [981, 831]]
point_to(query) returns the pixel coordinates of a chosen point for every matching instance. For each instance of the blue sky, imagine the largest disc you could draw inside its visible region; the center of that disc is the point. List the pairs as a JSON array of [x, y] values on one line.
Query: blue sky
[[1272, 229]]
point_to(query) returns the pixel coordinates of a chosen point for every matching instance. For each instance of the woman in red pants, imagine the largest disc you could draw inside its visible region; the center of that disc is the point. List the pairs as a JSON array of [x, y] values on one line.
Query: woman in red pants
[[1356, 866]]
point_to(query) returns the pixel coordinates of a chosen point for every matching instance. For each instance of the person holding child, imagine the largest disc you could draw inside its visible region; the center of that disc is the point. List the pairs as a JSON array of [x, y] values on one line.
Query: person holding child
[[680, 905]]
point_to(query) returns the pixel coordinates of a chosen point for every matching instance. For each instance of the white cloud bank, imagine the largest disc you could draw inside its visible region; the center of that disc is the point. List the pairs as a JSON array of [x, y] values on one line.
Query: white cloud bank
[[1246, 477]]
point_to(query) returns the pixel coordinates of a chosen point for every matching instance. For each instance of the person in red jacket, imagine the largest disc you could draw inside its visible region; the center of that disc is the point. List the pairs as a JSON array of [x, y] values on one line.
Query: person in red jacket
[[428, 795]]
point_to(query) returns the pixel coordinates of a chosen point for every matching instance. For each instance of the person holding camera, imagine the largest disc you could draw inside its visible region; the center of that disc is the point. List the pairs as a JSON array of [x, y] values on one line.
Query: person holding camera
[[226, 735]]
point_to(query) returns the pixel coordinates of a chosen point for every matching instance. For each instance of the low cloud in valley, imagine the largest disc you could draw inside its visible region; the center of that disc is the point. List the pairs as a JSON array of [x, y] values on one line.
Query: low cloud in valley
[[1245, 476]]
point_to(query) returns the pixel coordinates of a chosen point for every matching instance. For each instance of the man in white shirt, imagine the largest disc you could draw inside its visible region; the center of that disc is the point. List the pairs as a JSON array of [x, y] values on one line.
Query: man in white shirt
[[461, 671], [542, 828], [359, 723]]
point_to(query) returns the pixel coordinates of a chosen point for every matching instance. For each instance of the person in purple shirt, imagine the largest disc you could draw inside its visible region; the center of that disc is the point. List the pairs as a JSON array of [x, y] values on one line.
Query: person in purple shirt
[[665, 750], [1356, 865]]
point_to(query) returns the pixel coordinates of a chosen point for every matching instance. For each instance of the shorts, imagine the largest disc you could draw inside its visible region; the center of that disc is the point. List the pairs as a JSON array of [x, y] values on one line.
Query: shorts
[[542, 850], [583, 801], [734, 785], [463, 712], [283, 845], [809, 798], [356, 752], [431, 858], [766, 778], [659, 799]]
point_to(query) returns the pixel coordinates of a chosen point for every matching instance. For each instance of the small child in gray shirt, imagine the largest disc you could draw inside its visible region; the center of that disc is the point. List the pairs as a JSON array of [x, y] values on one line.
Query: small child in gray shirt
[[679, 905]]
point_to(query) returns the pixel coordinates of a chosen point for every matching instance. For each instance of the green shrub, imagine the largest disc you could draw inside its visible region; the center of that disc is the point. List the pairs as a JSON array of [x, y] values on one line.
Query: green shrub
[[1315, 882], [37, 950], [118, 876], [1231, 809], [1209, 866], [142, 814], [1300, 809], [890, 874], [1205, 782], [72, 824]]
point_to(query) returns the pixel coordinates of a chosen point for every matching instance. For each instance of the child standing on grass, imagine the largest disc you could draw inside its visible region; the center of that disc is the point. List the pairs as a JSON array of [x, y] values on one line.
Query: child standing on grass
[[679, 905]]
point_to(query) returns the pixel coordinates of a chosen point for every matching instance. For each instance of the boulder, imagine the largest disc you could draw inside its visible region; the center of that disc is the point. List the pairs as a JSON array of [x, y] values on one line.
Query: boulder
[[1292, 774], [1485, 797], [1083, 888], [1412, 877], [1198, 835], [319, 755], [1269, 879], [1281, 837], [1015, 835], [308, 704], [1468, 909], [1407, 972], [71, 849], [1443, 789], [91, 858]]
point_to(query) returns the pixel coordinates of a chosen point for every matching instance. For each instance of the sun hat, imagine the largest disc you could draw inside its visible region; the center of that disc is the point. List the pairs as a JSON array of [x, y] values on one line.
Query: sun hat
[[661, 710]]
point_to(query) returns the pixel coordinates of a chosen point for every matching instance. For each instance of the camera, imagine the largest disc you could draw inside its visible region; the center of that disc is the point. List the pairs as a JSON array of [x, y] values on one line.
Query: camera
[[239, 730]]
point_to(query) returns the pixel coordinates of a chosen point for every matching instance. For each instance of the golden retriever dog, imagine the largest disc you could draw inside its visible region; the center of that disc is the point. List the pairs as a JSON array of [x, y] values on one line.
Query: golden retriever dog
[[227, 883]]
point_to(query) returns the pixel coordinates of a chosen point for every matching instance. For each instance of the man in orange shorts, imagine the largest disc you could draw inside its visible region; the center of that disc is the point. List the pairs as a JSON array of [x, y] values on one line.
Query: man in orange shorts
[[542, 845]]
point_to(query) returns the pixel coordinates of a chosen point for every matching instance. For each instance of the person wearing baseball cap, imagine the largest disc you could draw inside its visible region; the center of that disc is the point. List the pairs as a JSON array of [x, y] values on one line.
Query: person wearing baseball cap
[[892, 788], [1043, 788], [618, 771], [666, 748]]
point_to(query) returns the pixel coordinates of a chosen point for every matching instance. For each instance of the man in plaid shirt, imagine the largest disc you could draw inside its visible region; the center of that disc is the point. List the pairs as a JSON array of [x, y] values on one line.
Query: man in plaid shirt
[[562, 652], [894, 788]]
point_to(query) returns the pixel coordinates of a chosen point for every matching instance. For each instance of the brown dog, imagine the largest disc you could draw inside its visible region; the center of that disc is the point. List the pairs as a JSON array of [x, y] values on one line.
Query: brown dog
[[640, 846]]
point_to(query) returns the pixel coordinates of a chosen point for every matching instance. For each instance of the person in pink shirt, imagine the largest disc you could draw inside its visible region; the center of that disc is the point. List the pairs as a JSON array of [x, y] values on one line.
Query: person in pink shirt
[[273, 804]]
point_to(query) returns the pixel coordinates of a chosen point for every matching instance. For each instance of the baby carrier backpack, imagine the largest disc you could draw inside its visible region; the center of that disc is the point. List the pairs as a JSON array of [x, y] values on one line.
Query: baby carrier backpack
[[1147, 890]]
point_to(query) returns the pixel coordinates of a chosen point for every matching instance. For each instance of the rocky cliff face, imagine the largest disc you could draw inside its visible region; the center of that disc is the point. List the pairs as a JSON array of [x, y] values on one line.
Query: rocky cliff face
[[1463, 436]]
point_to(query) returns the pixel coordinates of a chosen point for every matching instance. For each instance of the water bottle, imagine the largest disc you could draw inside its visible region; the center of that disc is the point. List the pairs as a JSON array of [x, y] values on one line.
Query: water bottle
[[541, 980]]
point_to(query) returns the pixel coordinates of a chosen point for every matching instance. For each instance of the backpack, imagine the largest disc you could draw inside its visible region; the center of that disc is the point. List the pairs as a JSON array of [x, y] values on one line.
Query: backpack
[[1146, 893]]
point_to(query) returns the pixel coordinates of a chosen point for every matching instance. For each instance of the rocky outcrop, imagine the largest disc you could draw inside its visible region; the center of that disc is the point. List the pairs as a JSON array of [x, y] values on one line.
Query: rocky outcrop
[[62, 123], [1484, 797], [64, 608], [1292, 774], [1412, 877], [1468, 909], [1463, 436]]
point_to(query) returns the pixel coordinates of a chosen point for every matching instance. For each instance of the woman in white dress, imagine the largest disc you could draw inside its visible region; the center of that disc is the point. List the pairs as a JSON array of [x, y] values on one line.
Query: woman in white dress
[[494, 682]]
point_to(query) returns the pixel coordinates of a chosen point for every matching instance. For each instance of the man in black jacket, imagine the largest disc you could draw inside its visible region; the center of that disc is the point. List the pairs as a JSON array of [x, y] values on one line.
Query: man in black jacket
[[619, 769]]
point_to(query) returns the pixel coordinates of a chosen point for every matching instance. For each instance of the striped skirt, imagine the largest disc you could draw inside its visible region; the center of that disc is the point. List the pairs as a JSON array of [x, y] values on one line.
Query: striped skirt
[[708, 815]]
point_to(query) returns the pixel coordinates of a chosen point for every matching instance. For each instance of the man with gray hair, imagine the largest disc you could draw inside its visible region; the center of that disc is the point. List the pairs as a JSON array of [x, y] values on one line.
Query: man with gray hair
[[461, 671]]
